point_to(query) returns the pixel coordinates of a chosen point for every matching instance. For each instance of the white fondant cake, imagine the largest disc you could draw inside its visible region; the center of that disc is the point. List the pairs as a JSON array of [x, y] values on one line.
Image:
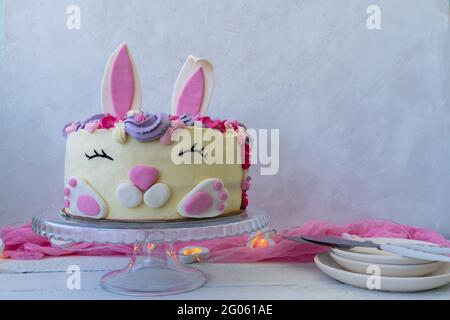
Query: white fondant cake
[[126, 164]]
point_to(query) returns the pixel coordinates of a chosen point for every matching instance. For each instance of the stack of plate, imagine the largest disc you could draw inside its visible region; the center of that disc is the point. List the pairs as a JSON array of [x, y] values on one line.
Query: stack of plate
[[371, 268]]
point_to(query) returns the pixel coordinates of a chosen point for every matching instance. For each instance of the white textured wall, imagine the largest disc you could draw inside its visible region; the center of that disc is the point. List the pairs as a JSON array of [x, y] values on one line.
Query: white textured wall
[[364, 115]]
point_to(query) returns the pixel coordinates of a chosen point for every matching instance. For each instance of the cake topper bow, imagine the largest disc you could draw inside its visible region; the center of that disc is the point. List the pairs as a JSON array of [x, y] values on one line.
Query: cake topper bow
[[120, 87]]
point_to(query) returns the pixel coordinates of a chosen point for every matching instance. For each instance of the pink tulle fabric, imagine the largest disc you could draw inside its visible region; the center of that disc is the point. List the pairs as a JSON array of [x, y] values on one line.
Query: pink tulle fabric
[[22, 243]]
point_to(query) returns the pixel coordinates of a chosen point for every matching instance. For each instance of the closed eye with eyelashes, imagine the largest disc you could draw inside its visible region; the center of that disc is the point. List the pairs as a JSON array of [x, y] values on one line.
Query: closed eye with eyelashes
[[96, 154], [194, 150]]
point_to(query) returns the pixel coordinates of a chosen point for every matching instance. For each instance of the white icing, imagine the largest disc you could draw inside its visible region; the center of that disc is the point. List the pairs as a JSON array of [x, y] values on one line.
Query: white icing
[[207, 186], [157, 195], [105, 175], [83, 188], [129, 195], [119, 133]]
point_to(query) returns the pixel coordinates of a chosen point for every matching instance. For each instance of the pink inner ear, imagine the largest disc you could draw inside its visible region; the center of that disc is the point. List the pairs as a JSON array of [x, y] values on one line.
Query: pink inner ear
[[122, 83], [191, 96]]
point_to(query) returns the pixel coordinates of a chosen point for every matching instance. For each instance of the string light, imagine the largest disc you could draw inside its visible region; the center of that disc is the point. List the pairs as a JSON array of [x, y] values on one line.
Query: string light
[[260, 240], [193, 254]]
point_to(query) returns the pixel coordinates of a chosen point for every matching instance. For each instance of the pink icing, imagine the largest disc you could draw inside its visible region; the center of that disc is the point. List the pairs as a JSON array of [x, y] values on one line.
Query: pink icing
[[66, 203], [245, 185], [217, 124], [223, 195], [92, 126], [191, 97], [88, 205], [122, 83], [218, 185], [143, 177], [220, 207], [66, 191], [166, 139], [107, 122], [72, 127], [139, 117], [198, 203], [72, 182]]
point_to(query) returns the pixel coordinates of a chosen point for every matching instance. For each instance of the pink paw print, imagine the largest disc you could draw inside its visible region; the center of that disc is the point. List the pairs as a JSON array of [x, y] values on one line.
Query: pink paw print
[[207, 199], [82, 200]]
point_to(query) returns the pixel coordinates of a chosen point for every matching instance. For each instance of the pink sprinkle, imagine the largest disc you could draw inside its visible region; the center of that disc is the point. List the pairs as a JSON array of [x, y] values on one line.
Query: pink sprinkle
[[72, 182], [220, 207], [66, 191], [66, 203], [218, 185], [139, 117], [223, 195]]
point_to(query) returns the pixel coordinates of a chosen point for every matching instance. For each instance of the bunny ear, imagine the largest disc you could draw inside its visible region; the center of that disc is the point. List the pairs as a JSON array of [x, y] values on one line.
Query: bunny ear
[[193, 88], [120, 87]]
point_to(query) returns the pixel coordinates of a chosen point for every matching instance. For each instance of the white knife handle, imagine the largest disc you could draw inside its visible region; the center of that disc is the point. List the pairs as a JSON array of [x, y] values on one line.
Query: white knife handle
[[411, 253], [427, 248]]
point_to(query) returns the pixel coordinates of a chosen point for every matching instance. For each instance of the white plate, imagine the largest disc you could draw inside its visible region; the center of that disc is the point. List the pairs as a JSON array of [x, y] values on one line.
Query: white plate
[[388, 270], [394, 241], [378, 259], [436, 279], [374, 255]]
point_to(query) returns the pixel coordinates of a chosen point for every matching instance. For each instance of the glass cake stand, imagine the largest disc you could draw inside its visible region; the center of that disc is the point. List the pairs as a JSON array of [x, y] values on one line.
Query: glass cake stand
[[153, 268]]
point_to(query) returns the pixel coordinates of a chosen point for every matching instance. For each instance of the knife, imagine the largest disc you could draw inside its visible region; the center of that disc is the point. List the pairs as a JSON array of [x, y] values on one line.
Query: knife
[[412, 251]]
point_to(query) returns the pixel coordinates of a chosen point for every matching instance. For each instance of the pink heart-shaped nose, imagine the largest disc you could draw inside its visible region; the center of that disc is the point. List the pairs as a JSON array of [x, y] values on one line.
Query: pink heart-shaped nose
[[143, 177]]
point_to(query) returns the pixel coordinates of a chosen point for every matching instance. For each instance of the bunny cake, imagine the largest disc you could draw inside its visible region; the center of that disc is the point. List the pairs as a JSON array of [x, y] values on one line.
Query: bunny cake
[[129, 164]]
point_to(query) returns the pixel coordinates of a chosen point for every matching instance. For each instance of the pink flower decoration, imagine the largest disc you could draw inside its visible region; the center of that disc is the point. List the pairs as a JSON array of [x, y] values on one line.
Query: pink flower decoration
[[72, 127], [139, 117], [212, 124], [91, 126], [246, 163], [107, 121], [244, 200], [232, 125], [245, 185]]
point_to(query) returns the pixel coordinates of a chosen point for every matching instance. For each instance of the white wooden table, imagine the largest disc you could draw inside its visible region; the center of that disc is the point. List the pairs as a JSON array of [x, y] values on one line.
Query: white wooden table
[[46, 279]]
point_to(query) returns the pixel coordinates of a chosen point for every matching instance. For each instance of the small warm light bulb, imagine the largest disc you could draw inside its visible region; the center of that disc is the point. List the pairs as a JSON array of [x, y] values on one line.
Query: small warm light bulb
[[191, 251], [193, 254], [261, 240]]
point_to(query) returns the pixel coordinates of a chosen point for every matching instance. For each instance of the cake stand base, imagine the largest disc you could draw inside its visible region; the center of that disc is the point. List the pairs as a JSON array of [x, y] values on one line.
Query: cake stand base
[[153, 269], [156, 272]]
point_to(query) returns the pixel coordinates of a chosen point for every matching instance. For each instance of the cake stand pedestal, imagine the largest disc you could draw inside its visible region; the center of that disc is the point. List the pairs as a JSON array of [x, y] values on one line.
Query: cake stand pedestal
[[153, 268]]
